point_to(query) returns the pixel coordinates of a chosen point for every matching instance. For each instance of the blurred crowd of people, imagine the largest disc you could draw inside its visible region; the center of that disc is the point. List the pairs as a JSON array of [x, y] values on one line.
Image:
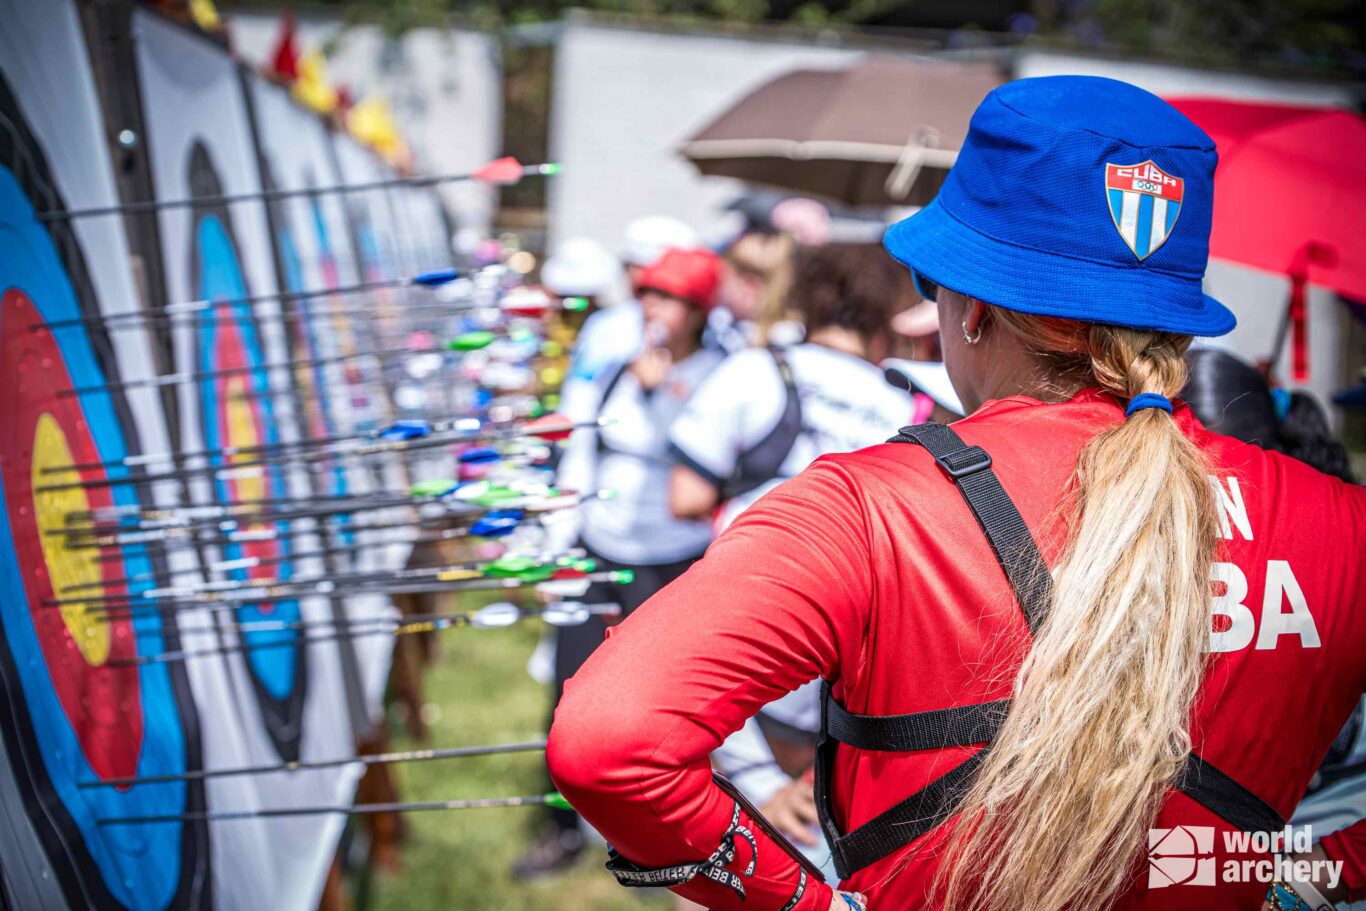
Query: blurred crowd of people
[[715, 374]]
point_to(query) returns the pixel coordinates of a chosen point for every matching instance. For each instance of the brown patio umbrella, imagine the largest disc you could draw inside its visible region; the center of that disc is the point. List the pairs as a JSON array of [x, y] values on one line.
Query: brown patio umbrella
[[883, 132]]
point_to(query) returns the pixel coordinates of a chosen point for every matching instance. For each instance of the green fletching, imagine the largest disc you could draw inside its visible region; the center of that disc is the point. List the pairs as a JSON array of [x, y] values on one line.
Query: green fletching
[[551, 168], [433, 488], [509, 567], [471, 341], [538, 573], [557, 801], [622, 576], [523, 568], [575, 304], [495, 494]]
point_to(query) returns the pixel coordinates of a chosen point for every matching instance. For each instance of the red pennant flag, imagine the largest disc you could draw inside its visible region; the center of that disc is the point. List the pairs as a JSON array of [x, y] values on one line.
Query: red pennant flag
[[285, 62]]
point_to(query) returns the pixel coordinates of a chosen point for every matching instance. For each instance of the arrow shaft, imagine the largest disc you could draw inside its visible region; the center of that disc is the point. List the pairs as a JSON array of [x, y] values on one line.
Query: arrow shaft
[[362, 451], [138, 533], [217, 601], [438, 428], [344, 578], [529, 746], [136, 318], [361, 629], [139, 208], [112, 514], [182, 379], [534, 800], [223, 566], [187, 321], [409, 622]]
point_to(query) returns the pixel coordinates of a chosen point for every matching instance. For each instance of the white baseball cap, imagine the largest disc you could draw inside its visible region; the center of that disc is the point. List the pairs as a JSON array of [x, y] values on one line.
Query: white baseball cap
[[648, 237], [928, 377], [582, 267]]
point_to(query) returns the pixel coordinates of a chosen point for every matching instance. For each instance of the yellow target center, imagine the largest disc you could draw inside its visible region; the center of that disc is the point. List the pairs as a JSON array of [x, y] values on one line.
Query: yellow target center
[[241, 426], [66, 566]]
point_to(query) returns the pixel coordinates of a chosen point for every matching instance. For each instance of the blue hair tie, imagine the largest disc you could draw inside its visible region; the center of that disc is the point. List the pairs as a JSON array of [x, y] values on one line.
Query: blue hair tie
[[1148, 400]]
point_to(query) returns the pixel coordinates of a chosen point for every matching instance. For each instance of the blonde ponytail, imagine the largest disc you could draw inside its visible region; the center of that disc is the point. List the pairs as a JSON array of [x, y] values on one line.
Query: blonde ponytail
[[1099, 721]]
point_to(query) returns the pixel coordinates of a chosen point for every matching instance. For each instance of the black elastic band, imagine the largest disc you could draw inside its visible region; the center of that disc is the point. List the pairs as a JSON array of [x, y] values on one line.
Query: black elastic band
[[634, 876], [797, 895]]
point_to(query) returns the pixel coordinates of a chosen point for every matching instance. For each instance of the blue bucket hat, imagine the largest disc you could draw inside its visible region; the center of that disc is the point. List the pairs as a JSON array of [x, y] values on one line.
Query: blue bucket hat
[[1076, 197]]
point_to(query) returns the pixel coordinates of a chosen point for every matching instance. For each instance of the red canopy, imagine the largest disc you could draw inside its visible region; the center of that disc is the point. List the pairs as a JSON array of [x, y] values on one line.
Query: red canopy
[[1289, 197], [1288, 176]]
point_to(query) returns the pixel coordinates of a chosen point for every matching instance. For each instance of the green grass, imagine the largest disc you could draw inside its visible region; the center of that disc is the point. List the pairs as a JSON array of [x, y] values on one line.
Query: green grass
[[460, 860]]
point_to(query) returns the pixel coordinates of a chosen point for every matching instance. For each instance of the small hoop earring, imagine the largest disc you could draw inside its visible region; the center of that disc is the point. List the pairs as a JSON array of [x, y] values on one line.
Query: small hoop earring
[[969, 338]]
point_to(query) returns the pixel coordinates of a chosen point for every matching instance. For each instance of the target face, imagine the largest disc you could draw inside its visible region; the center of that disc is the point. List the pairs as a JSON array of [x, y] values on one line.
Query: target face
[[74, 707], [236, 409]]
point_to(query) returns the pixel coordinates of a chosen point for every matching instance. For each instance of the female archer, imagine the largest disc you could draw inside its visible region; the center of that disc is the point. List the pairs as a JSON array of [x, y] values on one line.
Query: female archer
[[1074, 646]]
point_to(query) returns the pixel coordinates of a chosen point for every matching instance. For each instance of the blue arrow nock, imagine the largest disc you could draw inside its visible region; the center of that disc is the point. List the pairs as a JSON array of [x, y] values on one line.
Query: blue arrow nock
[[435, 277], [405, 430], [497, 523], [480, 455]]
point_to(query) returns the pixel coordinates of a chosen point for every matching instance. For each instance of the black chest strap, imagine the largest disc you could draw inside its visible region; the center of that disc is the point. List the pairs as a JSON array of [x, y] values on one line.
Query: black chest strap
[[763, 461], [970, 469]]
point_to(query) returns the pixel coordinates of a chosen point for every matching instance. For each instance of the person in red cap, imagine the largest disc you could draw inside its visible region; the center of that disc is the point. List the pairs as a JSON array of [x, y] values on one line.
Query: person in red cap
[[634, 529]]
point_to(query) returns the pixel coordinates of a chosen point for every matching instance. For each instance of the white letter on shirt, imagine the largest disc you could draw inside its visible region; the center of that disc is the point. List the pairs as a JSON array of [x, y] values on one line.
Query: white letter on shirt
[[1230, 604], [1231, 506], [1280, 581]]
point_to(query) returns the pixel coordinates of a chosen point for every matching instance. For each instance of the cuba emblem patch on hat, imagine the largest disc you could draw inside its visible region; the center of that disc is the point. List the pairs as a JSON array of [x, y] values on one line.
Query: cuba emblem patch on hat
[[1144, 202]]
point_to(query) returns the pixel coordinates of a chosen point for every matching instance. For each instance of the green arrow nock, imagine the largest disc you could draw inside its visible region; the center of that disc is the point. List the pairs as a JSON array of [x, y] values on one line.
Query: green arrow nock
[[471, 341]]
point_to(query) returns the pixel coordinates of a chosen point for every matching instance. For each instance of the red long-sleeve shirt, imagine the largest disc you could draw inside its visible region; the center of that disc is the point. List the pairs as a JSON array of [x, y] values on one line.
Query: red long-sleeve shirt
[[870, 571]]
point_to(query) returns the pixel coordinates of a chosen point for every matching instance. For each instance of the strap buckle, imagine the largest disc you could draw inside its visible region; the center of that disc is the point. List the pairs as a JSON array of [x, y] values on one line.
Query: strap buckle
[[965, 462]]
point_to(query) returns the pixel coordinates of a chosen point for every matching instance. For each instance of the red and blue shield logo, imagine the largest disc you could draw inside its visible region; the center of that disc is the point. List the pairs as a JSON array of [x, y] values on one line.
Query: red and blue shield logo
[[1144, 203]]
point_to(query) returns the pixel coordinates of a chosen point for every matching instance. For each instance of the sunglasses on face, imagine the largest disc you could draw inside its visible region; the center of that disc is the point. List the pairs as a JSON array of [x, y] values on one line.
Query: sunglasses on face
[[925, 287]]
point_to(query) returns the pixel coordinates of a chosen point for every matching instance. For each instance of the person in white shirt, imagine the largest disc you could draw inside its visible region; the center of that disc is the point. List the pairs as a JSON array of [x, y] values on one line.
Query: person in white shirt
[[763, 416], [638, 399]]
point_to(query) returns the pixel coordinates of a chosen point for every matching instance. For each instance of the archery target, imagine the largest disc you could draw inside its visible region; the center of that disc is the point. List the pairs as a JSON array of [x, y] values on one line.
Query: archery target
[[236, 409], [313, 252], [75, 705]]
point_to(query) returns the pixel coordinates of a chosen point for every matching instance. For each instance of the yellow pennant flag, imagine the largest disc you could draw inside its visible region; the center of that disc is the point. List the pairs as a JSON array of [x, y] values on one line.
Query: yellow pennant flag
[[205, 15], [372, 123], [312, 88]]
